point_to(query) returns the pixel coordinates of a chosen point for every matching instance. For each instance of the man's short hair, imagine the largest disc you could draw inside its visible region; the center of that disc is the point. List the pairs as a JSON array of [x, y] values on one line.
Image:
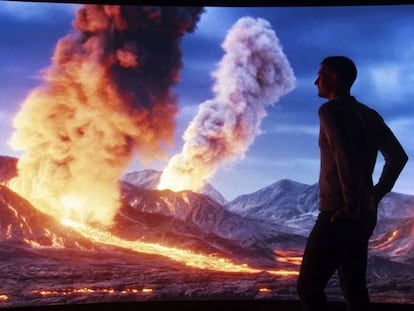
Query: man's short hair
[[343, 67]]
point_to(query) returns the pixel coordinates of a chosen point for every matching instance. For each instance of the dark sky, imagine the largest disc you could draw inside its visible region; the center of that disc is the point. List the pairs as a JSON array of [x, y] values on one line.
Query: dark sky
[[378, 38]]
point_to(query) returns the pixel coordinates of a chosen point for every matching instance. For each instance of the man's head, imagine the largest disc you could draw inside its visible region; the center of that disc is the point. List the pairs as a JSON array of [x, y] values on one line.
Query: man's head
[[336, 76]]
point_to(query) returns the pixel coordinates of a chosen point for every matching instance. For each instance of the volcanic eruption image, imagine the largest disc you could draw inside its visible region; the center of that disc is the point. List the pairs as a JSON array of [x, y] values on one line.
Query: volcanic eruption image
[[161, 153]]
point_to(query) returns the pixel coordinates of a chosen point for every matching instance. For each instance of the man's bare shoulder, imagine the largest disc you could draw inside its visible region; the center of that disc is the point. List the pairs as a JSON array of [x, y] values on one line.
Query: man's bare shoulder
[[329, 108]]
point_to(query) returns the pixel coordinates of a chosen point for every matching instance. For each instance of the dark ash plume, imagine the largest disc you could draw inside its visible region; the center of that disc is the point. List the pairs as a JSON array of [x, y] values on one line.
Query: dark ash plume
[[106, 95]]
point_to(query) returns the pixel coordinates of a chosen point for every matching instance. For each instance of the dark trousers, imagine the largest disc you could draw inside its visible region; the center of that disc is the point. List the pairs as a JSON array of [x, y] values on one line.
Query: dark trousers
[[334, 246]]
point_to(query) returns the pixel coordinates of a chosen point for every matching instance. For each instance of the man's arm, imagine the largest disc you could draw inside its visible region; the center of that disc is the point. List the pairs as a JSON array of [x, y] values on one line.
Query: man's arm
[[395, 159]]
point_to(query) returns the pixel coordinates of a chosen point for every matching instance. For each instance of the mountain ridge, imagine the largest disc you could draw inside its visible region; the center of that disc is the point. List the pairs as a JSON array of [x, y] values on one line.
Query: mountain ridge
[[149, 179], [279, 215]]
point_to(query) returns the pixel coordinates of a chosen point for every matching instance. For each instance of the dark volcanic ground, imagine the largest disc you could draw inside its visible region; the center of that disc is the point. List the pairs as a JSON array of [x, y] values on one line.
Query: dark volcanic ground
[[119, 276], [263, 229]]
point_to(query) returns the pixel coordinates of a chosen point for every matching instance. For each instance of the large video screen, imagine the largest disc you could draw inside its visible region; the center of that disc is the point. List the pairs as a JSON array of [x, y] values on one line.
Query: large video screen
[[162, 153]]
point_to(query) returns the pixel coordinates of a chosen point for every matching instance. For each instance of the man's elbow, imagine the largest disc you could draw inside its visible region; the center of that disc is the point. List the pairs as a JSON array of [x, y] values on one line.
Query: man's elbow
[[404, 159]]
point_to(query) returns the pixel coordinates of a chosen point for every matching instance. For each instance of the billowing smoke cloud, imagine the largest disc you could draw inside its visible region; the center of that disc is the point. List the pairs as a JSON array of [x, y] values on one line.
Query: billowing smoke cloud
[[106, 96], [253, 72]]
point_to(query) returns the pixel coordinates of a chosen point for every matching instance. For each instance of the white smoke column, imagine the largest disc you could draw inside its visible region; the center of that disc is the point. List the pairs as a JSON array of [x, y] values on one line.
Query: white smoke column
[[254, 72]]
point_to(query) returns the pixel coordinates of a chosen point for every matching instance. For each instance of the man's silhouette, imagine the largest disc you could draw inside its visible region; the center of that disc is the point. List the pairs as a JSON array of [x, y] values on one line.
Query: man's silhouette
[[351, 134]]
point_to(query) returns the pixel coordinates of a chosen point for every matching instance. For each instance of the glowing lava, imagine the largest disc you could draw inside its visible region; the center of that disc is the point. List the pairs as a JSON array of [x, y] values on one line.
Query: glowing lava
[[383, 242], [185, 178], [4, 297], [186, 257], [288, 256], [87, 290], [265, 290]]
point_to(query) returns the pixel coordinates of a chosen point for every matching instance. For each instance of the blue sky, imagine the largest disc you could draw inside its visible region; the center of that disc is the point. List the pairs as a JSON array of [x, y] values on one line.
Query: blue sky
[[378, 38]]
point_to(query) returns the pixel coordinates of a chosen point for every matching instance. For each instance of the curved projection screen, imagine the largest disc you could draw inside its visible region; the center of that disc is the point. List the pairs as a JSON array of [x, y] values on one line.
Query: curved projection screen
[[171, 153]]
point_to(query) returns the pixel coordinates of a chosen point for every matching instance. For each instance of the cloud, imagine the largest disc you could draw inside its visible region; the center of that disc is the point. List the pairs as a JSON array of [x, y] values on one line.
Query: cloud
[[4, 116], [216, 22], [213, 22], [33, 10], [403, 129], [296, 129], [392, 82]]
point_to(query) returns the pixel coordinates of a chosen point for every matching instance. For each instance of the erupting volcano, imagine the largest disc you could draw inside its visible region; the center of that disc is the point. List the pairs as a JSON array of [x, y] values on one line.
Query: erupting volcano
[[107, 94], [106, 97]]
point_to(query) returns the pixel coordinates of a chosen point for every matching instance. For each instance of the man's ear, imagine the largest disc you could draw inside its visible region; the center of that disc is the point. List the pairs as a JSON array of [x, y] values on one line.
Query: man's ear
[[334, 79]]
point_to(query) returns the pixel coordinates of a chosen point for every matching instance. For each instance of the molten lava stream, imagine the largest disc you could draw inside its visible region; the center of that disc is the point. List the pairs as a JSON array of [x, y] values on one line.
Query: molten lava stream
[[382, 244], [292, 257], [86, 290], [4, 297], [186, 257]]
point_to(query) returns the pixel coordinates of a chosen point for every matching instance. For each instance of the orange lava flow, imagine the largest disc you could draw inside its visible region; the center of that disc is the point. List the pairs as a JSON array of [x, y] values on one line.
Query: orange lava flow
[[264, 290], [87, 290], [387, 242], [4, 297], [187, 257], [288, 256]]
